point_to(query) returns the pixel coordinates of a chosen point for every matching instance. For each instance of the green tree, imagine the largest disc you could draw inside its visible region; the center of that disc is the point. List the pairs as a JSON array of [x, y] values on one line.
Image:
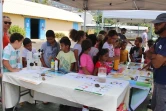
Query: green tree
[[17, 29]]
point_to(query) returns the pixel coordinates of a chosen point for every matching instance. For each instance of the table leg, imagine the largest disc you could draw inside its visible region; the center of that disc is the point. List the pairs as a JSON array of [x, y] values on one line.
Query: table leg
[[22, 93], [130, 98]]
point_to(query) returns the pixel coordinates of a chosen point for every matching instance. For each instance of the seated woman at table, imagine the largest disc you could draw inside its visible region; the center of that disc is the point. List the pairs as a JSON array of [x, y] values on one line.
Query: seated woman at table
[[66, 56], [101, 61], [86, 62], [27, 48], [10, 53]]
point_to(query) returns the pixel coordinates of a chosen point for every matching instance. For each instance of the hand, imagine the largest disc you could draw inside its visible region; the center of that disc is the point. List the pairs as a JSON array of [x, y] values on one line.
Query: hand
[[44, 65], [15, 70]]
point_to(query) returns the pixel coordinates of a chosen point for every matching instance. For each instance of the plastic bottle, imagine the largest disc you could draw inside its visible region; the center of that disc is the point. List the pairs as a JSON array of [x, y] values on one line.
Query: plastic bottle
[[56, 65], [116, 65], [52, 64]]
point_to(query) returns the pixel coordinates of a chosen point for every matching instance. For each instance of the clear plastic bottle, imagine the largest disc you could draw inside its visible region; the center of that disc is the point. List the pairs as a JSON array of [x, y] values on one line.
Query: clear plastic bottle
[[52, 64], [56, 65]]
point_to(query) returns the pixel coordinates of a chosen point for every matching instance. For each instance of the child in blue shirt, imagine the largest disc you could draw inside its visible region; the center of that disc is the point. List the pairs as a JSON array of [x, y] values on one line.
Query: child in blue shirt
[[11, 54]]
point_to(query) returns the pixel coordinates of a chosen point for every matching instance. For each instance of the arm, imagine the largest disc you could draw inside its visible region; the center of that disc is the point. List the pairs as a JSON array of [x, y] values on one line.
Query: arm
[[42, 61], [127, 57], [77, 59], [85, 71], [24, 62], [8, 66], [158, 60], [72, 66], [95, 71]]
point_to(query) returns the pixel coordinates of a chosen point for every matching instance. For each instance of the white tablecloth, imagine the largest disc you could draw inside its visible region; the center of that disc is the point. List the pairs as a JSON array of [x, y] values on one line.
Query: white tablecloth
[[60, 89]]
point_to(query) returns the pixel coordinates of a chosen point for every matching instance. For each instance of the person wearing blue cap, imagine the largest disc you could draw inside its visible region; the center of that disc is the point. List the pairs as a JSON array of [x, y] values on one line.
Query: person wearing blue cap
[[157, 54]]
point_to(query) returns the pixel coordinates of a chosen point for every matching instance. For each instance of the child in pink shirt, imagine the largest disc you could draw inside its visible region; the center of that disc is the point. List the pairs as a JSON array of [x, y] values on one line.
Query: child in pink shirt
[[86, 63]]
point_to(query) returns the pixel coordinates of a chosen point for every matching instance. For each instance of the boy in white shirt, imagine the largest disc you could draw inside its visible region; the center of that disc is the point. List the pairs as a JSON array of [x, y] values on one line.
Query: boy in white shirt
[[27, 48]]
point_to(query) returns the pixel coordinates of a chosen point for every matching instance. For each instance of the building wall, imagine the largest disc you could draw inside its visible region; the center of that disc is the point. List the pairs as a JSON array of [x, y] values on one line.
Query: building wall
[[60, 26], [51, 24]]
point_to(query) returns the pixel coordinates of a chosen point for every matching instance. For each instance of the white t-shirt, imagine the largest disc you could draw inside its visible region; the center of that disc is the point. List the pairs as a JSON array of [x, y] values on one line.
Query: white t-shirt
[[144, 37], [77, 47], [110, 48], [93, 52], [25, 51]]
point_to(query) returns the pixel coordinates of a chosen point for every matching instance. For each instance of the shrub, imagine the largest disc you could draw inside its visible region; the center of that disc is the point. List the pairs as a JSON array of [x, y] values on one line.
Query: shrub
[[17, 29], [59, 35]]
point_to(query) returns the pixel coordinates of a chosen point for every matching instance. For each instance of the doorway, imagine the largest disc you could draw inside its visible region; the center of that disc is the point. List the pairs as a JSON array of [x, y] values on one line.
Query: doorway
[[34, 28]]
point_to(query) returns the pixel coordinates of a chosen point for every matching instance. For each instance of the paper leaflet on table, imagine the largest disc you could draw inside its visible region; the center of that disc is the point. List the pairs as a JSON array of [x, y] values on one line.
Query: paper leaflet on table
[[100, 89]]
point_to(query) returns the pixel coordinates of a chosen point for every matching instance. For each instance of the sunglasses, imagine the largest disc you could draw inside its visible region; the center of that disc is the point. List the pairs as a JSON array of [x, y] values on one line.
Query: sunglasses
[[8, 23], [157, 24]]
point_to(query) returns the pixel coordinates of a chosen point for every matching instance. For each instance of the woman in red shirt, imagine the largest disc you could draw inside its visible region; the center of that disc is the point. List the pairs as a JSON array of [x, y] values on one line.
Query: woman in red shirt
[[6, 25]]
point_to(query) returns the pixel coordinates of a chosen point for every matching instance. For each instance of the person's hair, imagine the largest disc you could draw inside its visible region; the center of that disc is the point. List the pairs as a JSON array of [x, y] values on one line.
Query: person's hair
[[103, 32], [50, 33], [99, 54], [150, 43], [100, 37], [123, 29], [93, 39], [6, 16], [76, 35], [16, 36], [119, 43], [139, 39], [123, 43], [112, 33], [26, 41], [86, 44], [65, 40]]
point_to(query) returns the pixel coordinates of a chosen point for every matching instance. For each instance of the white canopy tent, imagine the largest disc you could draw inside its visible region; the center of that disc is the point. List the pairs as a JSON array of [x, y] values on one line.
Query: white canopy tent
[[130, 16], [116, 4]]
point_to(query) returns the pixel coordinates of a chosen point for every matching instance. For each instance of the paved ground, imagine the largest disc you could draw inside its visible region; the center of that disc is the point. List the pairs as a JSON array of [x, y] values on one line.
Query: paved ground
[[55, 107]]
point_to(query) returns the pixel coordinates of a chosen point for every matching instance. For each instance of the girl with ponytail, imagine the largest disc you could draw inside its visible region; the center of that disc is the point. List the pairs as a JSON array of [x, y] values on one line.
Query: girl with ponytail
[[77, 36]]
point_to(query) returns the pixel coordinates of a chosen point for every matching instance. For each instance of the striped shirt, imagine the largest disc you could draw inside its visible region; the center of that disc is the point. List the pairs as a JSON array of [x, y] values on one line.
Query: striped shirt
[[12, 55]]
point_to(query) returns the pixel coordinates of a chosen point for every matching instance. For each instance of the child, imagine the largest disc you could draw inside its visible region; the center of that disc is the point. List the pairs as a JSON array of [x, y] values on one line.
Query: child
[[93, 52], [102, 57], [65, 56], [147, 60], [10, 53], [124, 53], [86, 63], [99, 43], [27, 48], [112, 37], [50, 48], [77, 36], [117, 48], [137, 51]]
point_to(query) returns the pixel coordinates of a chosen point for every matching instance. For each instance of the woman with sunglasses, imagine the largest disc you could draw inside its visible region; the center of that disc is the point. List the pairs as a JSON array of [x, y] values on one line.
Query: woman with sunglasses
[[6, 25]]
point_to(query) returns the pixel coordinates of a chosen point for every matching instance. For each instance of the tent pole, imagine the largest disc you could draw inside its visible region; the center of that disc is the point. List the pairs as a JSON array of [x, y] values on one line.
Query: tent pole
[[1, 49], [85, 20], [138, 29], [102, 22], [151, 30]]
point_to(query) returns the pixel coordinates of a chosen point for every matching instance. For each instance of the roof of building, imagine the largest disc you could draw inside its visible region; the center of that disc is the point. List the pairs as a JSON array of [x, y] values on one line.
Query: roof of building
[[27, 8]]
